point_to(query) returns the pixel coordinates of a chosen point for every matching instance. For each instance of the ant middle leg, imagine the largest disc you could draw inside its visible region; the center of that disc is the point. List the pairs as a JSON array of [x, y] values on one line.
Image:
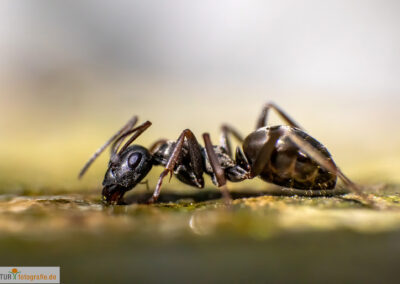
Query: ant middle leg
[[228, 131], [262, 120], [195, 155], [225, 141], [156, 144], [217, 169]]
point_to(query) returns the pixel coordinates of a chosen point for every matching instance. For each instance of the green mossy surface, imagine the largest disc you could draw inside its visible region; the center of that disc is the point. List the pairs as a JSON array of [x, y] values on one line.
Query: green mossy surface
[[195, 237]]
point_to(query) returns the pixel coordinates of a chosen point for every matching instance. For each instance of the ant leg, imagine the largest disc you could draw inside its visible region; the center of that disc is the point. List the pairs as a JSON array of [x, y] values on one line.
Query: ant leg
[[328, 165], [218, 171], [262, 120], [146, 182], [265, 153], [156, 144], [225, 140], [196, 159]]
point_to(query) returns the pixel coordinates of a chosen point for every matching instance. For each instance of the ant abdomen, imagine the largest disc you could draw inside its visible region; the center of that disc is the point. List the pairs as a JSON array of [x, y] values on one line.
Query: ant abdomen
[[289, 167]]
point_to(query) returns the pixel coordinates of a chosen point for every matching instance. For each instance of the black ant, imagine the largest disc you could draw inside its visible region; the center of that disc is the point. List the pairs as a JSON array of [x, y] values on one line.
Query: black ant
[[283, 155]]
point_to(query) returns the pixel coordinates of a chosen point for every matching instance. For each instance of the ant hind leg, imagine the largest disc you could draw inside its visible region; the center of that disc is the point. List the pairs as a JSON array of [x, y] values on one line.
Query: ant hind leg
[[225, 141], [328, 165], [263, 118]]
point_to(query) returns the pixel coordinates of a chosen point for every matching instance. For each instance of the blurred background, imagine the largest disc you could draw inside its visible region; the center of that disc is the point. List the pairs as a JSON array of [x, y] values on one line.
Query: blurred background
[[72, 73]]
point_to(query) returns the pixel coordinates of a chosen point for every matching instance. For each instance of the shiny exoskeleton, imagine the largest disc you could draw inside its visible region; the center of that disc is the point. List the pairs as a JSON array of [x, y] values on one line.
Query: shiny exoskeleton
[[288, 166], [283, 155], [184, 170]]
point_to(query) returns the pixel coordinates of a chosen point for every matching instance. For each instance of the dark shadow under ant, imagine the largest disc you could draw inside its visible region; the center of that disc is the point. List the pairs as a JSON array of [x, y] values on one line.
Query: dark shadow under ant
[[284, 155], [211, 194]]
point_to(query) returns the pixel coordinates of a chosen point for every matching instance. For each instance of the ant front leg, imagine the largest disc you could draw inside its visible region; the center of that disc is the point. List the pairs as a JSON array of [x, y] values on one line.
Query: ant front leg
[[217, 169], [262, 120], [196, 159]]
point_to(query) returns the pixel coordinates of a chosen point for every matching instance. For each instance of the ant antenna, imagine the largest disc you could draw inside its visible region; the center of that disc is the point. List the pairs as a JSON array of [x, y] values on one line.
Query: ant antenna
[[137, 131], [123, 132]]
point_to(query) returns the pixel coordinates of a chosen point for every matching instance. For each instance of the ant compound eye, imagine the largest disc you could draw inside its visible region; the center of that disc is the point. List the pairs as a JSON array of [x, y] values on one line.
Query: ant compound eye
[[134, 160]]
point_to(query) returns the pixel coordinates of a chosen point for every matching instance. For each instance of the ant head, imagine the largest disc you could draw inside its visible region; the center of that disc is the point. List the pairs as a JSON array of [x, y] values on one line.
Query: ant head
[[128, 164], [125, 171]]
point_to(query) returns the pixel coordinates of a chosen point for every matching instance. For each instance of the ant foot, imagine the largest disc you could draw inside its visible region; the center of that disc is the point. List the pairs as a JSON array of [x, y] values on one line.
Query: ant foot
[[151, 200]]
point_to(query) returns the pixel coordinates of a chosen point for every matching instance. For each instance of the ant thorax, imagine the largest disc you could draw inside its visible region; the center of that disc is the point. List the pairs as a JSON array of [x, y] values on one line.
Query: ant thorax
[[184, 168]]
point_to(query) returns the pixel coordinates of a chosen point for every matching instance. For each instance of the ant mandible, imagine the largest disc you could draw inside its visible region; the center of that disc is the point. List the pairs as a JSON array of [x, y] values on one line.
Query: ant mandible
[[283, 155]]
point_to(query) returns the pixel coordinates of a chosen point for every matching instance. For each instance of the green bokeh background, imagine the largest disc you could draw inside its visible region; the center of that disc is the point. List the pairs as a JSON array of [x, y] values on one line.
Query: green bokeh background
[[73, 73]]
